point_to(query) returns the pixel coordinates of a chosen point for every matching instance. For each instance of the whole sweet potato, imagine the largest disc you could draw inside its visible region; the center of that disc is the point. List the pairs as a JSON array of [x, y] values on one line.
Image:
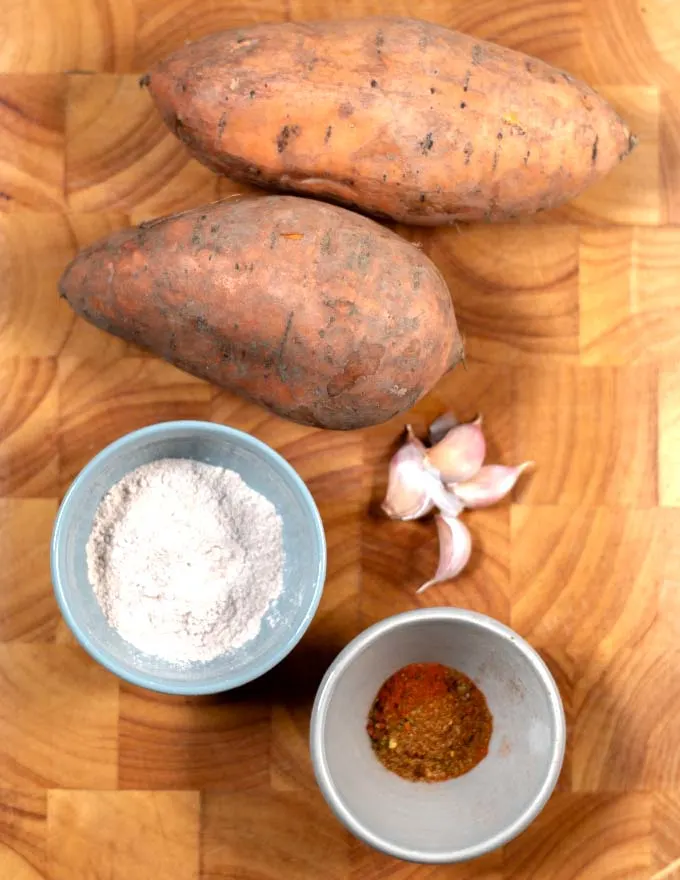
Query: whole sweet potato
[[399, 118], [306, 308]]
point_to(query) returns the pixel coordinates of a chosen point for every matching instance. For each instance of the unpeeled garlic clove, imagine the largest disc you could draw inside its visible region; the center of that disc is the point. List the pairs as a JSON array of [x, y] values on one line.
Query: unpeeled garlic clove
[[441, 426], [407, 495], [490, 484], [460, 454], [455, 545]]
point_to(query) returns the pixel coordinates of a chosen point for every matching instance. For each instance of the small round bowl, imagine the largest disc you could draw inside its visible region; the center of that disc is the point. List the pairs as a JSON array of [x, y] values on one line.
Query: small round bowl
[[263, 470], [462, 818]]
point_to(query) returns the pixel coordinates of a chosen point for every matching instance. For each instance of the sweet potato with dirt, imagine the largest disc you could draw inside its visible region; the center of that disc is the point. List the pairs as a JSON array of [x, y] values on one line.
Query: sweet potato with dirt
[[395, 117], [319, 314]]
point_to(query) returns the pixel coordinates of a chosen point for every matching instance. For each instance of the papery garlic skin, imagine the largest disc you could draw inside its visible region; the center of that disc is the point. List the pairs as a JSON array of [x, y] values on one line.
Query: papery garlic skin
[[441, 426], [455, 547]]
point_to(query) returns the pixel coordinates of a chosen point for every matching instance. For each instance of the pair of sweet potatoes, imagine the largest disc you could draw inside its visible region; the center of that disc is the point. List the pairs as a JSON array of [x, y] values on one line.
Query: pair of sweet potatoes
[[315, 312]]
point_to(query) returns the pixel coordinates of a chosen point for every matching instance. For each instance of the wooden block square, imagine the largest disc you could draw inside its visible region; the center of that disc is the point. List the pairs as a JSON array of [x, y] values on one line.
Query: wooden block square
[[302, 841], [81, 35], [164, 27], [29, 465], [610, 56], [34, 251], [23, 828], [598, 590], [514, 289], [123, 835], [121, 156], [587, 580], [32, 120], [669, 148], [592, 433], [59, 717], [100, 400], [585, 836], [194, 742], [669, 439], [28, 609], [624, 709], [627, 292]]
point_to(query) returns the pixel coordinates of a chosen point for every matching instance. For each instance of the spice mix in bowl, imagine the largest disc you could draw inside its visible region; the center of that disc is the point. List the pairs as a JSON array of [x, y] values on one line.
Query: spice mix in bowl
[[437, 735]]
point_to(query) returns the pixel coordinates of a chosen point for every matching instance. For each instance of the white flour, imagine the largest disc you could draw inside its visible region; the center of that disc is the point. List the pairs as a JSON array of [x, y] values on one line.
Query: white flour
[[185, 559]]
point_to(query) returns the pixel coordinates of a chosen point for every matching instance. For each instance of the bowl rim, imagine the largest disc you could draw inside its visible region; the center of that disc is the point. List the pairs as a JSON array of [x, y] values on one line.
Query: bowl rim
[[147, 680], [320, 710]]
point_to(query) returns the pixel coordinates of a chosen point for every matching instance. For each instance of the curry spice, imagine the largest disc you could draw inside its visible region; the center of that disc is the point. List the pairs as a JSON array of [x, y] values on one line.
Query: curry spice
[[429, 723]]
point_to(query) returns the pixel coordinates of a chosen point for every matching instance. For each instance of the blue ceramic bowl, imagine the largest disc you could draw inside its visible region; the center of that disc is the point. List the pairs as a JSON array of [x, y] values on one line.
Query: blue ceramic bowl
[[263, 470]]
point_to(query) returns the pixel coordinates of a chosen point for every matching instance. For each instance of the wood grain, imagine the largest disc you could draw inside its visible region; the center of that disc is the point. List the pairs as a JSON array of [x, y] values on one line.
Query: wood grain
[[55, 694], [618, 829], [626, 295], [23, 824], [102, 399], [572, 329], [144, 168], [28, 610], [29, 465], [515, 291], [301, 836], [193, 743], [131, 834], [592, 432], [32, 141]]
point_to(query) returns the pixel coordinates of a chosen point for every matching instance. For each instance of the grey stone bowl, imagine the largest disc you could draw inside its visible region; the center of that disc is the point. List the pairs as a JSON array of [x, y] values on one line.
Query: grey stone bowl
[[465, 817]]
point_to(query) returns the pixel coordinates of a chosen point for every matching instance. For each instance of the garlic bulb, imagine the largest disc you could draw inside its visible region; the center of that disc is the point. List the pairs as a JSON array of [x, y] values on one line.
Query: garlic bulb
[[448, 476]]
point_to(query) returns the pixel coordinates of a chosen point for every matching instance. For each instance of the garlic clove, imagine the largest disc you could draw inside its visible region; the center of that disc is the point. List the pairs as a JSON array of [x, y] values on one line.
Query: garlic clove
[[407, 494], [490, 484], [441, 426], [455, 546], [443, 497], [460, 454]]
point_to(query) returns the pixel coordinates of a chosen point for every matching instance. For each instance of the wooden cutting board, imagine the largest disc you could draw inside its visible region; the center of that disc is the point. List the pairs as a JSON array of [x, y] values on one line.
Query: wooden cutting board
[[573, 339]]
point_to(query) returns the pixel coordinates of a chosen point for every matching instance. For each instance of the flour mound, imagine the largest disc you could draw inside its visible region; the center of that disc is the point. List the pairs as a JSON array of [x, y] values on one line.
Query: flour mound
[[185, 559]]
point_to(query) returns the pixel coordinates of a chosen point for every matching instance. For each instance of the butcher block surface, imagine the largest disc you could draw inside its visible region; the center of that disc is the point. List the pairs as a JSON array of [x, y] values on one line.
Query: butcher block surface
[[572, 330]]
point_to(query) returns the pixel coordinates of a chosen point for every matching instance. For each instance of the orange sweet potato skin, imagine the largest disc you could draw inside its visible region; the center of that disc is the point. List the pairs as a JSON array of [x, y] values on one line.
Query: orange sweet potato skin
[[319, 314], [396, 117]]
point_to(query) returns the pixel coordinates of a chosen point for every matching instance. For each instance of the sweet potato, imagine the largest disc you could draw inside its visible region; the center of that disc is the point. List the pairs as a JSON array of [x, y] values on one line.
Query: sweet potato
[[319, 314], [395, 117]]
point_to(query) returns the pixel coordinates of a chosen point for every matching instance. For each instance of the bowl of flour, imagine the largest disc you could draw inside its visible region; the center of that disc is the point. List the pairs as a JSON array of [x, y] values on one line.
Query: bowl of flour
[[188, 557]]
